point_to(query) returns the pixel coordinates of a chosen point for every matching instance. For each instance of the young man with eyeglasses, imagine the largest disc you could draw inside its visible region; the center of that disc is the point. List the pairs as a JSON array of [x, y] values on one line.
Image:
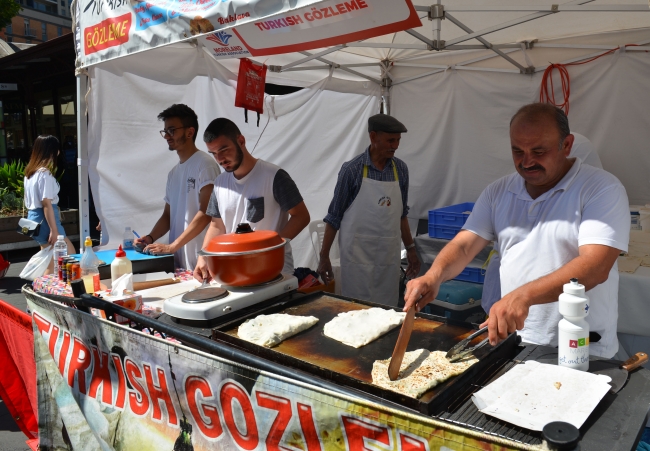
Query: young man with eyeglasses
[[187, 194]]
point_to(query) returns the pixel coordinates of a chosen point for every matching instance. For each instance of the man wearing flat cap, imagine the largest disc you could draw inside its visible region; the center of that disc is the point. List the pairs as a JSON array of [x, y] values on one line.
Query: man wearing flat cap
[[369, 210]]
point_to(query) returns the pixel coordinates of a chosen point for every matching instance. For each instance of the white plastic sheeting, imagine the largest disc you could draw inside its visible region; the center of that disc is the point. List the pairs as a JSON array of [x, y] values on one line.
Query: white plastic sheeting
[[458, 140], [312, 132]]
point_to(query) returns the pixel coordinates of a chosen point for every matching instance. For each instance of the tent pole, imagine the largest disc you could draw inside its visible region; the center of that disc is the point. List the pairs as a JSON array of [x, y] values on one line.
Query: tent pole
[[82, 158], [510, 23], [524, 70]]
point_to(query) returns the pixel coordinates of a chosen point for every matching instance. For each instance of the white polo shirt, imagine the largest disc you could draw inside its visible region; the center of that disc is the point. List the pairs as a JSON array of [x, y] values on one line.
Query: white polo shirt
[[536, 237]]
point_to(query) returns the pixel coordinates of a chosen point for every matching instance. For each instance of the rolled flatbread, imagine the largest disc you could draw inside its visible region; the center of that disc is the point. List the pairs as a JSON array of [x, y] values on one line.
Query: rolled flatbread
[[359, 327], [420, 371], [271, 330]]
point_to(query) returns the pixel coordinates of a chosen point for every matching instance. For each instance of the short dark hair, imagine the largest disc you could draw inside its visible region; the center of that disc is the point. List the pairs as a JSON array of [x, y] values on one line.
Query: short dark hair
[[533, 112], [221, 127], [185, 114]]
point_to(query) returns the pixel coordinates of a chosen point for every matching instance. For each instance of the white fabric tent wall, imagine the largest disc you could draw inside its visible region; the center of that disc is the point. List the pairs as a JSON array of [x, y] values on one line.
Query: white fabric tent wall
[[312, 133], [458, 139]]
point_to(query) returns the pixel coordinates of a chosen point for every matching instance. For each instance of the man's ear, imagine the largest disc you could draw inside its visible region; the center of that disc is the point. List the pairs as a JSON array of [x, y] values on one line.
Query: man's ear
[[241, 140], [373, 136], [567, 145], [191, 133]]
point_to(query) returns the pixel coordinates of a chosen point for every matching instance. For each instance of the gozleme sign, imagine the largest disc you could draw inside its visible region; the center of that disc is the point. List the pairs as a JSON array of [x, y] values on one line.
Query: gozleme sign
[[102, 386], [233, 28]]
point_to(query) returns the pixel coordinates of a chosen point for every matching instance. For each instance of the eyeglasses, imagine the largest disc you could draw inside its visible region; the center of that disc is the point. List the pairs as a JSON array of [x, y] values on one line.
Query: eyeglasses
[[169, 131]]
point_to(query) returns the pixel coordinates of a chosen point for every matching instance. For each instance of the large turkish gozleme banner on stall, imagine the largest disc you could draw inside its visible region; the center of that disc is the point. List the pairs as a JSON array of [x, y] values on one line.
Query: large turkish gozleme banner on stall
[[107, 29], [102, 386]]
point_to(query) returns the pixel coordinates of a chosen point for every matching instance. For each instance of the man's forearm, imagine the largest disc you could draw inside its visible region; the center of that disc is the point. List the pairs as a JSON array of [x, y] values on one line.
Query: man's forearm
[[405, 231], [212, 231], [294, 227], [161, 227], [328, 240], [455, 256], [198, 224]]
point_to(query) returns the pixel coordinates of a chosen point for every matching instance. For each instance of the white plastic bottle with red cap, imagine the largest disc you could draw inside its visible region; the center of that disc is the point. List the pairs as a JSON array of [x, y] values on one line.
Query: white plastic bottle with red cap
[[573, 336], [120, 265]]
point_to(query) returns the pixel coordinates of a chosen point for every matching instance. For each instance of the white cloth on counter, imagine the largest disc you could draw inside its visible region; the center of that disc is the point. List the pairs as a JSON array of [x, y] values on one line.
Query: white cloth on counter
[[538, 236], [184, 184]]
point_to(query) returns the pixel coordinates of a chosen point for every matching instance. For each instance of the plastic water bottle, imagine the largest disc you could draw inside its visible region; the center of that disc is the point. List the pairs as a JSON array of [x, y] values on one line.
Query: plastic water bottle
[[573, 336], [127, 239], [60, 250], [90, 268]]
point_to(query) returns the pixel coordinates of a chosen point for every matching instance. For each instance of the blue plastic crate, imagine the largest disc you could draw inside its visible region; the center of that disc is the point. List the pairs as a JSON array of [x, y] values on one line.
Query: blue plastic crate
[[445, 233], [451, 216], [472, 274]]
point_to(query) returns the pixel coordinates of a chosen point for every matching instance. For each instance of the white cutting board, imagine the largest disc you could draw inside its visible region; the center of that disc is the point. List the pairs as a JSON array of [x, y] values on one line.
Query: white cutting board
[[534, 394]]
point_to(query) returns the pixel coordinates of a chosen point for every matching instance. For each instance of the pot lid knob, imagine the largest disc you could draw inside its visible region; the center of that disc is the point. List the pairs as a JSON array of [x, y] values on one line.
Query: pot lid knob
[[244, 228]]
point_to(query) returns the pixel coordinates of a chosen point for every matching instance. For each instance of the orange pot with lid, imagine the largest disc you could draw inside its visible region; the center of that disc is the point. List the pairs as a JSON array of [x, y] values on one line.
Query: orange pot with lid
[[245, 257]]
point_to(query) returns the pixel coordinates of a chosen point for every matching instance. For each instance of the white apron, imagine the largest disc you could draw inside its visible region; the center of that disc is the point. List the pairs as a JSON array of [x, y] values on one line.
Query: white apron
[[369, 241]]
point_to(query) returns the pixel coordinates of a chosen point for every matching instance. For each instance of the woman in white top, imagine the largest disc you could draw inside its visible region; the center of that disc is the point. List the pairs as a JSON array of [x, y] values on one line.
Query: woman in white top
[[42, 192]]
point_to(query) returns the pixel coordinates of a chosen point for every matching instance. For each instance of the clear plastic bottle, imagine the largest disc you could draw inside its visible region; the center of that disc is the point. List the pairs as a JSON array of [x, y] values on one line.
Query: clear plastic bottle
[[127, 239], [90, 267], [120, 266], [573, 336], [60, 250]]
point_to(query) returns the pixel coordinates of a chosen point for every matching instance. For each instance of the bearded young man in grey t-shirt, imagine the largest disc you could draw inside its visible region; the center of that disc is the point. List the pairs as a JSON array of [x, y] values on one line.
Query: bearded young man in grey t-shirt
[[249, 191]]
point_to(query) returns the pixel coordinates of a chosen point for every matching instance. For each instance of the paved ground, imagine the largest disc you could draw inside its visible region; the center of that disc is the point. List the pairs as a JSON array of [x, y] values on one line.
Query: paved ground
[[11, 438]]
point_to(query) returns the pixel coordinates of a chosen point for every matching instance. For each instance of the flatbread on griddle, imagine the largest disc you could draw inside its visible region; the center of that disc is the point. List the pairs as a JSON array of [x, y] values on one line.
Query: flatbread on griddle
[[357, 328], [420, 371], [271, 330]]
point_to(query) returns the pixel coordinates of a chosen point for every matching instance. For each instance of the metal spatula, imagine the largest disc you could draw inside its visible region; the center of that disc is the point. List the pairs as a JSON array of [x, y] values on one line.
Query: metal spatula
[[402, 343], [459, 351]]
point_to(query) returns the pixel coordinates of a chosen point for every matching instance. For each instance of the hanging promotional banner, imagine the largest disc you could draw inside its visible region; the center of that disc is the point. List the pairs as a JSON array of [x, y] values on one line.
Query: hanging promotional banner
[[232, 28], [102, 386]]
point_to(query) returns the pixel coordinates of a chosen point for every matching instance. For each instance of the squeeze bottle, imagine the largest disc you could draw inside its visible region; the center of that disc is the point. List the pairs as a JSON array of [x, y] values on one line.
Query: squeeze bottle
[[573, 336], [90, 267], [121, 265], [60, 250]]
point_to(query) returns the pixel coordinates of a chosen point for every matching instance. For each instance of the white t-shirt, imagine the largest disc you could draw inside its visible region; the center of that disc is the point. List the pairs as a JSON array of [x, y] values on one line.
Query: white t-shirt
[[252, 200], [536, 237], [41, 185], [583, 148], [184, 183]]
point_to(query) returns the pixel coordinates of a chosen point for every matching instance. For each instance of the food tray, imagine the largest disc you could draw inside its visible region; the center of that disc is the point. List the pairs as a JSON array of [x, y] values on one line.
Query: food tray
[[311, 351]]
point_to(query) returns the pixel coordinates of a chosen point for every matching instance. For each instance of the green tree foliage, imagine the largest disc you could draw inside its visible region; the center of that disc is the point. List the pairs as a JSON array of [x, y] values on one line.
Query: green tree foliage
[[8, 9]]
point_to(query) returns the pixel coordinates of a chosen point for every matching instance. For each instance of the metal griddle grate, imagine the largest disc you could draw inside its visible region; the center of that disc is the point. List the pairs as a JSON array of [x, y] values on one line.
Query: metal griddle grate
[[462, 411]]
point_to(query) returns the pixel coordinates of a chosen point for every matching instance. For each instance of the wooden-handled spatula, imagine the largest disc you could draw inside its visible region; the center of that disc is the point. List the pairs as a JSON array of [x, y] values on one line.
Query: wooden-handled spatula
[[402, 343]]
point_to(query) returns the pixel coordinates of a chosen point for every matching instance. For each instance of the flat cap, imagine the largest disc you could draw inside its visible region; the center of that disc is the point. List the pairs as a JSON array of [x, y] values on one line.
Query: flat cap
[[385, 123]]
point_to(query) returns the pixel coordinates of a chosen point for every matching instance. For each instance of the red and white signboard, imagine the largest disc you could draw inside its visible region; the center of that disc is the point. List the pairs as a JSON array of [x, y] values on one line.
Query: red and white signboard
[[233, 28]]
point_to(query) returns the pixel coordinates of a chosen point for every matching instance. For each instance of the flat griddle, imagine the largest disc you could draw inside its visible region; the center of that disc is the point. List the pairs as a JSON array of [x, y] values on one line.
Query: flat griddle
[[311, 351]]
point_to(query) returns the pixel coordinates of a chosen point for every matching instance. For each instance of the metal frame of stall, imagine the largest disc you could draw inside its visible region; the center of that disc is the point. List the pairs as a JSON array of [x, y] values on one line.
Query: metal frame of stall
[[435, 13]]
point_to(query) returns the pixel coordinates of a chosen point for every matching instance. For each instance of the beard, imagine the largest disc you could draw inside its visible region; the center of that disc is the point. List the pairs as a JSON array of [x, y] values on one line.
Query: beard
[[238, 159], [177, 143]]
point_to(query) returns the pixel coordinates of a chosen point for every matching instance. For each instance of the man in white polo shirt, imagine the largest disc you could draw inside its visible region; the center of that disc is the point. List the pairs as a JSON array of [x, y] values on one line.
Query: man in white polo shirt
[[554, 219]]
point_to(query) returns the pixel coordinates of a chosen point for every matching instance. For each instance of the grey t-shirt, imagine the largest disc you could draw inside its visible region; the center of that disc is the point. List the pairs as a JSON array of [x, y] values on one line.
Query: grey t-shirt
[[285, 193]]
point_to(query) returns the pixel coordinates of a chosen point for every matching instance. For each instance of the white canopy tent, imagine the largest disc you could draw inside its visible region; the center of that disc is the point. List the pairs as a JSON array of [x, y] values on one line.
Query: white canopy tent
[[454, 82]]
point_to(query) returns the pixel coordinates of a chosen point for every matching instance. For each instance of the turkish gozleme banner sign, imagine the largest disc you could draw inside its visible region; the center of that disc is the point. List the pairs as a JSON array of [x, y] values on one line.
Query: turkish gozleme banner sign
[[102, 386], [107, 29]]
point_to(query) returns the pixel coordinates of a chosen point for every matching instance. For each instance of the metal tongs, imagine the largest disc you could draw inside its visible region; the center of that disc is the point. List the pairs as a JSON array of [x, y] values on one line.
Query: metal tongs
[[460, 351]]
